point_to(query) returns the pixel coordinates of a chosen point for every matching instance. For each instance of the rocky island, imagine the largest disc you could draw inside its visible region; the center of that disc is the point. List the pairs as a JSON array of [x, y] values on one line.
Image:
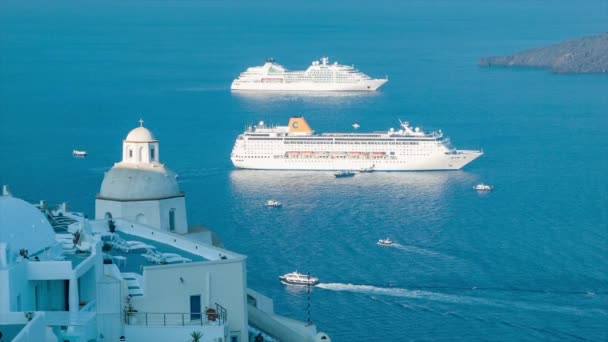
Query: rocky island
[[582, 55]]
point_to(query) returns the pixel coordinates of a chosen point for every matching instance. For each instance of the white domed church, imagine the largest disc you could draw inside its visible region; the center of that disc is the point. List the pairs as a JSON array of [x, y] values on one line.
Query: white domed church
[[141, 189]]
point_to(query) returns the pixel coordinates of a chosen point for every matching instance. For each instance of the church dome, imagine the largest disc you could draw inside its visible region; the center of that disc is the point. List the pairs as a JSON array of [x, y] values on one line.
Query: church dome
[[139, 183], [140, 134], [22, 226]]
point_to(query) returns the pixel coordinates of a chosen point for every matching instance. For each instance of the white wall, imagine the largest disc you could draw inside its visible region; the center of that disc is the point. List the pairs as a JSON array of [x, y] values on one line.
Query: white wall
[[87, 286], [5, 290], [181, 221], [223, 282], [109, 304], [19, 287], [104, 206], [33, 331], [177, 333], [263, 303], [155, 212]]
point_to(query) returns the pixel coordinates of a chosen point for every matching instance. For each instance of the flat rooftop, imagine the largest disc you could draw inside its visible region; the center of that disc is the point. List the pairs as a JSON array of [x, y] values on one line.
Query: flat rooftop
[[135, 261]]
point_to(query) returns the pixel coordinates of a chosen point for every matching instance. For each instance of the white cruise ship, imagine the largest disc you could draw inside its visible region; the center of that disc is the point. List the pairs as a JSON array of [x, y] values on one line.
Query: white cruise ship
[[320, 76], [297, 147]]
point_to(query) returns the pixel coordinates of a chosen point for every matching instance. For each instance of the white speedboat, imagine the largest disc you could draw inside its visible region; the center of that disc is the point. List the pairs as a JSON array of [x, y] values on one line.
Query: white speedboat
[[273, 203], [385, 242], [295, 278], [356, 125], [79, 153], [483, 187]]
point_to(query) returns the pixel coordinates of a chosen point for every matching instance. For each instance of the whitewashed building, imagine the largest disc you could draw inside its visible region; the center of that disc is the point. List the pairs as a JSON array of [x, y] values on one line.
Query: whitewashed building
[[65, 278], [140, 188]]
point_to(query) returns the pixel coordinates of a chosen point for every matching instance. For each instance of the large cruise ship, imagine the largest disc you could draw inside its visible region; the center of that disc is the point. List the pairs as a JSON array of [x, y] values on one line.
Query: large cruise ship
[[320, 76], [297, 147]]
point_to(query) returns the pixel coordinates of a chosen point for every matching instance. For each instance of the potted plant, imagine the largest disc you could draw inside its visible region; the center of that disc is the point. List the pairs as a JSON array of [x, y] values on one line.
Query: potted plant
[[111, 225], [76, 238], [130, 310], [211, 314], [106, 248], [23, 253], [197, 336]]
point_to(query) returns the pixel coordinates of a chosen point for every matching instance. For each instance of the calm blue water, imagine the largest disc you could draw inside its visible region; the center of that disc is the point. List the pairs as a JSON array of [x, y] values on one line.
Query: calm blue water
[[525, 262]]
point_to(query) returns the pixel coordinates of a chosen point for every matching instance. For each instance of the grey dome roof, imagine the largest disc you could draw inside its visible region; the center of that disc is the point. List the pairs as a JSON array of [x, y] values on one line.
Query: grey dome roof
[[139, 183], [22, 226]]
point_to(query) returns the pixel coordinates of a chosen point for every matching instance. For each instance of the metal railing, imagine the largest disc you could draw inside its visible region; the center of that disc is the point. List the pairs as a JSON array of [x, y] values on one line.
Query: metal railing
[[217, 316]]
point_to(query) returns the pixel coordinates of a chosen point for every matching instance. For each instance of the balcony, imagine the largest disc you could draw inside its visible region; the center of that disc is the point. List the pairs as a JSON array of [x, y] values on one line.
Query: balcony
[[168, 326], [213, 317]]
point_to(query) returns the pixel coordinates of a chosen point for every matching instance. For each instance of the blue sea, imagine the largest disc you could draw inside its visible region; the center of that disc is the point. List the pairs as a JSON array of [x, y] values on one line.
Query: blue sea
[[526, 262]]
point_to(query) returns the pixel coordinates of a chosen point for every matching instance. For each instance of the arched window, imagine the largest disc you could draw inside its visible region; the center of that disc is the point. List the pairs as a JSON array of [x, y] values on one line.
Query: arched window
[[130, 153], [140, 154], [152, 154]]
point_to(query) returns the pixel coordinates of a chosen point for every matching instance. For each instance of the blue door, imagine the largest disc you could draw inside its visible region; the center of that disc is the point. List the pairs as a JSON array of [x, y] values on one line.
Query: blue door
[[195, 307]]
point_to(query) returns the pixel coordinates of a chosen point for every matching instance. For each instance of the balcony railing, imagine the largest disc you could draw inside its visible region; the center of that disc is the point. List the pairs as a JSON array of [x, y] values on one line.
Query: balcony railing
[[217, 316]]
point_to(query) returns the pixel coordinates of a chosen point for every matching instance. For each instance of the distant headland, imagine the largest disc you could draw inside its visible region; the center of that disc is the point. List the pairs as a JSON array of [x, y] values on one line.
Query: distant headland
[[578, 56]]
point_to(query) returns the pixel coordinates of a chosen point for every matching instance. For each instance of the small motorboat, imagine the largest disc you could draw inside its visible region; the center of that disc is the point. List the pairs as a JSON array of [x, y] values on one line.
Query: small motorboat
[[367, 169], [356, 125], [385, 242], [299, 279], [78, 153], [344, 174], [273, 203], [483, 187]]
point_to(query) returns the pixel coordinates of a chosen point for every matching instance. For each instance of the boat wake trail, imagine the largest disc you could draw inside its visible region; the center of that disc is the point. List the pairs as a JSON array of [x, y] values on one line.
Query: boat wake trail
[[417, 250], [459, 299]]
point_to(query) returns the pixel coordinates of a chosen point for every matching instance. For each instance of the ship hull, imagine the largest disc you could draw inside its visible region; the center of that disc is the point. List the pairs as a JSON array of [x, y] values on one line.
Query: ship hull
[[365, 85], [438, 161]]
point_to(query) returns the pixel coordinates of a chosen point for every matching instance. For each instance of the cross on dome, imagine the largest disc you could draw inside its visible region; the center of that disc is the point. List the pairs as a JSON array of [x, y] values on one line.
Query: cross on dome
[[141, 122]]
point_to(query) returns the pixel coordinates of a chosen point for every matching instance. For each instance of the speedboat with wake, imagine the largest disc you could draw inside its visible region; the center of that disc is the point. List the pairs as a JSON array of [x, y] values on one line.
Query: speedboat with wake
[[385, 242], [295, 278]]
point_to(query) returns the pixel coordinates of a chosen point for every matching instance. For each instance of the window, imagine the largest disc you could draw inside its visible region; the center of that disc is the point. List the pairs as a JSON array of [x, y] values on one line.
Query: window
[[130, 153], [172, 220], [152, 154]]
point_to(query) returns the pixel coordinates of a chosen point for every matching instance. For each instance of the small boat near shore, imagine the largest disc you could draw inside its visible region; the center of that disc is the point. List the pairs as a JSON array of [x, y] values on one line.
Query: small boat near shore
[[385, 242], [344, 174], [79, 153], [295, 278], [483, 187]]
